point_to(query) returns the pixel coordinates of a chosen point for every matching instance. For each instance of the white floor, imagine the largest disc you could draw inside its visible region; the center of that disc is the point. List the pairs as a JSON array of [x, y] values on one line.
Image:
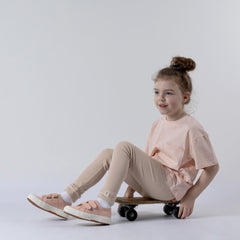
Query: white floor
[[216, 216]]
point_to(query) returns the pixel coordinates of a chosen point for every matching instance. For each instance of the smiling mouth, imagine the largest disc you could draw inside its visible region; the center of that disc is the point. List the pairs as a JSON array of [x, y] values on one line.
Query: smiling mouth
[[162, 105]]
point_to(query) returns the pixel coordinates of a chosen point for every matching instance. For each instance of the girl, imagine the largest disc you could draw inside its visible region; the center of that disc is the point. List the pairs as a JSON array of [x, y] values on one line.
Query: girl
[[177, 147]]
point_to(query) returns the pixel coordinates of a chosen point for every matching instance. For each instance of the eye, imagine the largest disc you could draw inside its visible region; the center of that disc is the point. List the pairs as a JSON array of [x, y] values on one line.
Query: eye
[[156, 92], [169, 93]]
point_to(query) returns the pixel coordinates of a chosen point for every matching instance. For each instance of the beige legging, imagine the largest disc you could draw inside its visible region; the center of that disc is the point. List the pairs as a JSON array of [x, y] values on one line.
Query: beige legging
[[126, 163]]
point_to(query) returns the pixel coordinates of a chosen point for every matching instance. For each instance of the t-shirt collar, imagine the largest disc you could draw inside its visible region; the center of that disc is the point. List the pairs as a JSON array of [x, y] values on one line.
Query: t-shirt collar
[[175, 121]]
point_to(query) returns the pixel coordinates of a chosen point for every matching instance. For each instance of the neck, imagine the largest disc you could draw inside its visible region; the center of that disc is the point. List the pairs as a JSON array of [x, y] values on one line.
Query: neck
[[175, 117]]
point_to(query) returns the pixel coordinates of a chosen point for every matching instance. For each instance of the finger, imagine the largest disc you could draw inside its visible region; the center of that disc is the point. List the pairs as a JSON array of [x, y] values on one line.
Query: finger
[[180, 211], [188, 212], [185, 212]]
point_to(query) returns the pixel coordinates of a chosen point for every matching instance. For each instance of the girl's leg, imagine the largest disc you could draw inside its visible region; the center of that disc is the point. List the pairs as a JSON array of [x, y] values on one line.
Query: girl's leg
[[91, 175], [143, 173], [55, 203]]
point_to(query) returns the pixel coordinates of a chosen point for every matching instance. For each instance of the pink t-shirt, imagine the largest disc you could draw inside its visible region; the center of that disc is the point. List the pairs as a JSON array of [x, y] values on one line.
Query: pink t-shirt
[[182, 147]]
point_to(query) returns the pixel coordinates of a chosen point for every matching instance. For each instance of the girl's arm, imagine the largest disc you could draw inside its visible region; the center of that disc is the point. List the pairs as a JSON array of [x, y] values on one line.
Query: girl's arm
[[188, 200]]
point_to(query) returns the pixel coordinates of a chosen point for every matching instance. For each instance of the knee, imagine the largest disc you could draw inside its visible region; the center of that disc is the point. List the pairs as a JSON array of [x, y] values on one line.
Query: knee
[[108, 152], [125, 152], [124, 145], [107, 157]]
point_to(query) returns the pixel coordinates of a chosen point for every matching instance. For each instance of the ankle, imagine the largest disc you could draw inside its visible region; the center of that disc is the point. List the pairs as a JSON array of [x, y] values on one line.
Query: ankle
[[104, 203], [66, 198]]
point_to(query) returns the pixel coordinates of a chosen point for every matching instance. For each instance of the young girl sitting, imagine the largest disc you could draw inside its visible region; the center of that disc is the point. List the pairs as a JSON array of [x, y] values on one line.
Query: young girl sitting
[[177, 148]]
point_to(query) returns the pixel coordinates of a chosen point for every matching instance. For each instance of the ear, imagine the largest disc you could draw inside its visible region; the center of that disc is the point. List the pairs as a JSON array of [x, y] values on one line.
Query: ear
[[186, 97]]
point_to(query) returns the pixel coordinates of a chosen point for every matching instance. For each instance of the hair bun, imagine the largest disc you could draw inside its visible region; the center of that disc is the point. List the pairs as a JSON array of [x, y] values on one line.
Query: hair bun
[[182, 64]]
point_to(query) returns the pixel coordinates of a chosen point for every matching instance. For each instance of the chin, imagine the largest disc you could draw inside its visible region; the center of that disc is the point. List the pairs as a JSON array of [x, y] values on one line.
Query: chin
[[162, 113]]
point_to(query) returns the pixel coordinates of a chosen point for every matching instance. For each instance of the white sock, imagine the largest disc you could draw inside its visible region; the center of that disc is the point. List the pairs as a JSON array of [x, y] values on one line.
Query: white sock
[[104, 203], [66, 197]]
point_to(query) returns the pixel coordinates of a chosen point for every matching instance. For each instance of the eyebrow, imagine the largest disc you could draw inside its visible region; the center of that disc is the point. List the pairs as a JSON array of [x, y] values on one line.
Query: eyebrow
[[165, 89]]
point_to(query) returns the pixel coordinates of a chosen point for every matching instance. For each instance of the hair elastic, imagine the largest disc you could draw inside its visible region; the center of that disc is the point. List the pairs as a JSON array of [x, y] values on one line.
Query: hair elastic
[[177, 67]]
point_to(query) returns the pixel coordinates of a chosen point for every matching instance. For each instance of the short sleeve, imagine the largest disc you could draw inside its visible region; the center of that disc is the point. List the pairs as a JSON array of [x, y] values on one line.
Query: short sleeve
[[202, 152]]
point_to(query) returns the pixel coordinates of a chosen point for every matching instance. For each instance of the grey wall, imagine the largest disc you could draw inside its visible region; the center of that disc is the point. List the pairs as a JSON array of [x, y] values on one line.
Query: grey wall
[[75, 77]]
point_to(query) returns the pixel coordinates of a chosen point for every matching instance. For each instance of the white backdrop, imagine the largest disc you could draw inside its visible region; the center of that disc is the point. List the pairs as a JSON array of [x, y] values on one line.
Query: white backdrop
[[76, 77]]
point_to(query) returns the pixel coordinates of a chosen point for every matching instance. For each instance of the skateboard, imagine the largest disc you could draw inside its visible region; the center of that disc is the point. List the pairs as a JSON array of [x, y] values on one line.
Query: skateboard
[[126, 207]]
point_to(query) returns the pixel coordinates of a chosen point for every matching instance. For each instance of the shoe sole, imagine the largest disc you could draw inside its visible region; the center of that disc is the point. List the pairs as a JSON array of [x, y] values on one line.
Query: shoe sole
[[46, 207], [87, 216]]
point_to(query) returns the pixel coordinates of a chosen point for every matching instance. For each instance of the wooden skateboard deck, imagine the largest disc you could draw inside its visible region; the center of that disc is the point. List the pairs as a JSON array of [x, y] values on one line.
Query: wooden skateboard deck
[[139, 200]]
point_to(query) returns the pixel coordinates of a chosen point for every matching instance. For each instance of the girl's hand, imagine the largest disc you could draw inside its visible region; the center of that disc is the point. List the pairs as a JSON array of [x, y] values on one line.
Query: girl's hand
[[186, 207], [129, 192], [188, 200]]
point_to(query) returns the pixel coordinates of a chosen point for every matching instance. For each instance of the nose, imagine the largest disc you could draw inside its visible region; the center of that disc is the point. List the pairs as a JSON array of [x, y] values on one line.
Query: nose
[[161, 97]]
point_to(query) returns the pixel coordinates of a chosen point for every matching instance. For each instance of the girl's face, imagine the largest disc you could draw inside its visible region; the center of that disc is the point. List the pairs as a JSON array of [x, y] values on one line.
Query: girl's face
[[169, 99]]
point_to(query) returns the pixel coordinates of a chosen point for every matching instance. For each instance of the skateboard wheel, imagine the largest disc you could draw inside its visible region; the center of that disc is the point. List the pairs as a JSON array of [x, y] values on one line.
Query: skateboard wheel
[[131, 214], [168, 208], [122, 210], [175, 212]]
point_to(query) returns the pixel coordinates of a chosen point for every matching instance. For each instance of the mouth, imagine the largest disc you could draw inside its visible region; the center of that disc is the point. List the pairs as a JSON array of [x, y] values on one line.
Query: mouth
[[162, 105]]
